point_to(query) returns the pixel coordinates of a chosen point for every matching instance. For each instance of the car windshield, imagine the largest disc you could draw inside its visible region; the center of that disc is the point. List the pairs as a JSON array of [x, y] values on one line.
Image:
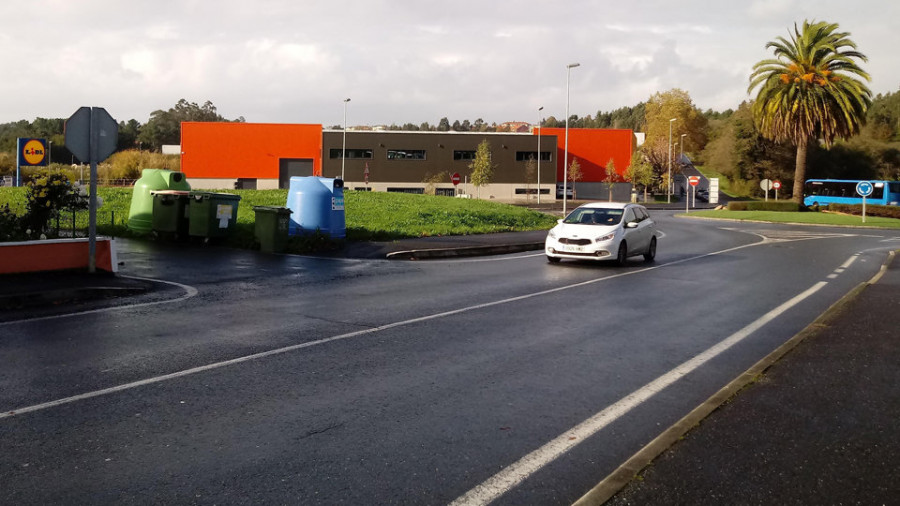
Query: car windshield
[[595, 216]]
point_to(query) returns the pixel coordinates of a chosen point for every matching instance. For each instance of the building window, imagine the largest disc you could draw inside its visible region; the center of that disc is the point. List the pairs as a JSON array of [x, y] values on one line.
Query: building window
[[445, 192], [463, 155], [524, 156], [406, 154], [532, 191], [417, 191], [351, 153]]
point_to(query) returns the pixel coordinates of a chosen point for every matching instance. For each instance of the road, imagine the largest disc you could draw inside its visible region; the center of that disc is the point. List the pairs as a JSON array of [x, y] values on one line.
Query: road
[[282, 379]]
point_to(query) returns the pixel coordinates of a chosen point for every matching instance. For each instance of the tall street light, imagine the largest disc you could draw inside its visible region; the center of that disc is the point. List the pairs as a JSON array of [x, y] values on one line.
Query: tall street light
[[569, 68], [541, 108], [669, 182], [344, 147], [681, 158]]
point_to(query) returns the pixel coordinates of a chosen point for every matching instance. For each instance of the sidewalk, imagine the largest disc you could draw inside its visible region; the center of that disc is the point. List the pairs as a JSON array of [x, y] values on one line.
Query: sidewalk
[[820, 426]]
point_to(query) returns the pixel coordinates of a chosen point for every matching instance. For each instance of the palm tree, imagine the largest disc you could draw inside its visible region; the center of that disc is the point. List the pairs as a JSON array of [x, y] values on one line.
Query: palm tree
[[810, 90]]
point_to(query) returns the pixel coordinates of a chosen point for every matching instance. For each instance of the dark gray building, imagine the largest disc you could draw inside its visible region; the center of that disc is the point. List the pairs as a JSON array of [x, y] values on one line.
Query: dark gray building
[[419, 162]]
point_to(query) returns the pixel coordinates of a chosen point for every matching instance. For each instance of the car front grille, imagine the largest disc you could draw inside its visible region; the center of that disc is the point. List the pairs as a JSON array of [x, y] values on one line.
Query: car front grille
[[576, 242]]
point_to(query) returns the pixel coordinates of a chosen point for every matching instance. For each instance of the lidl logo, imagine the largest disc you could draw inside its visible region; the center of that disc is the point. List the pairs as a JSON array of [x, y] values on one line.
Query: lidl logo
[[34, 151]]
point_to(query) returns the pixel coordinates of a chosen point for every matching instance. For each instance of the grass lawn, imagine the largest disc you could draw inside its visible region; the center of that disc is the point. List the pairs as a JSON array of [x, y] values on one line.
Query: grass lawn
[[807, 218], [370, 216]]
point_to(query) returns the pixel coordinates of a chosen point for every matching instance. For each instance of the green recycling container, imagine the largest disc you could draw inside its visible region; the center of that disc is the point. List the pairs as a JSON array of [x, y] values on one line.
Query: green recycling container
[[272, 225], [170, 212], [212, 215], [140, 215]]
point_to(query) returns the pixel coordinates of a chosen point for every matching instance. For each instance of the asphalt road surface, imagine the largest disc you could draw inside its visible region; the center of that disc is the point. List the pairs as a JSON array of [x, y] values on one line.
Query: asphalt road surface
[[260, 379]]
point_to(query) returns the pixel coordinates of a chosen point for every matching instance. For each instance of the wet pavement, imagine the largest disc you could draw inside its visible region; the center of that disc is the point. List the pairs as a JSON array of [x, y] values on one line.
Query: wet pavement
[[814, 423]]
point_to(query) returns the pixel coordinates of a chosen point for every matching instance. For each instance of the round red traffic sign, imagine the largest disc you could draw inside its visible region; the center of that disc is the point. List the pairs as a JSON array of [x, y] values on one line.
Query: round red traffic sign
[[694, 180], [776, 184], [455, 178]]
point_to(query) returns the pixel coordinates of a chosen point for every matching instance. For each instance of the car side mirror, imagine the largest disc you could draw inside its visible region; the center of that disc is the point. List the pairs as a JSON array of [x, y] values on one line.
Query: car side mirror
[[631, 224], [559, 221]]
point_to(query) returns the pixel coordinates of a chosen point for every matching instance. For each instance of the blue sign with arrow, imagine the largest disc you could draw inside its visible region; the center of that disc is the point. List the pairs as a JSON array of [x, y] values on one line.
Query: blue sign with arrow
[[864, 188]]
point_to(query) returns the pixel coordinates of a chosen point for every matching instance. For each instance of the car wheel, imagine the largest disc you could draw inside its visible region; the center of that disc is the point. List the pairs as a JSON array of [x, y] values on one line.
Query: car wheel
[[651, 250], [622, 255], [553, 260]]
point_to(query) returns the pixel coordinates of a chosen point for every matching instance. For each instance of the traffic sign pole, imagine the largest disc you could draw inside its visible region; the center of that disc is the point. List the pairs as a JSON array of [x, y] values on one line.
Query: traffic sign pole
[[864, 189], [91, 135]]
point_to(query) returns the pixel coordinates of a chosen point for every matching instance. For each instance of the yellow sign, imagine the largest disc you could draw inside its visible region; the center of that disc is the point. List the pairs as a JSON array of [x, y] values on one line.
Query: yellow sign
[[34, 152]]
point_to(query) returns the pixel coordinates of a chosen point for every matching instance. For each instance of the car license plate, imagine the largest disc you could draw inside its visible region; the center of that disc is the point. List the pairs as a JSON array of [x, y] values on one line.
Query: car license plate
[[574, 249]]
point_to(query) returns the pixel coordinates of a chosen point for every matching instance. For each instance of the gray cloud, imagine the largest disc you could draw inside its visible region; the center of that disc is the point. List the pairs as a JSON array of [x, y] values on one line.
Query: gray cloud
[[402, 61]]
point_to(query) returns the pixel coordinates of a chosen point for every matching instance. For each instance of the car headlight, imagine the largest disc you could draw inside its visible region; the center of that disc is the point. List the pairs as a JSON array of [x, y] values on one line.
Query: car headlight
[[607, 237], [552, 233]]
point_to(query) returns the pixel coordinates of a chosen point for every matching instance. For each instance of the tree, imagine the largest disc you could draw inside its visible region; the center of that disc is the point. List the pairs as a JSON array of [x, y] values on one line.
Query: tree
[[689, 120], [444, 125], [810, 90], [640, 172], [481, 166], [431, 182], [610, 176], [744, 157], [575, 174], [128, 134], [164, 127]]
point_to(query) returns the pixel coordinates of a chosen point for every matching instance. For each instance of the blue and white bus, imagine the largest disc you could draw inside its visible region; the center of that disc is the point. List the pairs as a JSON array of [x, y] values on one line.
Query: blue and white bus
[[842, 191]]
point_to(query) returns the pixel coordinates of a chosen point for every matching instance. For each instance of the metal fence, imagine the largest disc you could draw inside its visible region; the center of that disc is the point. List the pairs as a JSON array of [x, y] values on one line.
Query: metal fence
[[75, 224]]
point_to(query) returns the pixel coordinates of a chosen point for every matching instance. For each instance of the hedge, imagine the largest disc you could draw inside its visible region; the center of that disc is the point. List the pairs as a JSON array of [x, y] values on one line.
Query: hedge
[[785, 206], [856, 209]]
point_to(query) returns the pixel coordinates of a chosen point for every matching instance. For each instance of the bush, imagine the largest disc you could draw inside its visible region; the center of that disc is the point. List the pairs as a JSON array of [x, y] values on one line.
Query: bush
[[784, 206], [10, 225], [46, 195], [856, 209]]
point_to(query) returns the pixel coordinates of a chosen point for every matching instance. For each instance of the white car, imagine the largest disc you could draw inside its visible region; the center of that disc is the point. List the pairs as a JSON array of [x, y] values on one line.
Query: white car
[[603, 231]]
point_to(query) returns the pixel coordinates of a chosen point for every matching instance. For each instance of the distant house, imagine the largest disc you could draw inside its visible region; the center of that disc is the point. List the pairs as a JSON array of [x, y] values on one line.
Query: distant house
[[514, 127]]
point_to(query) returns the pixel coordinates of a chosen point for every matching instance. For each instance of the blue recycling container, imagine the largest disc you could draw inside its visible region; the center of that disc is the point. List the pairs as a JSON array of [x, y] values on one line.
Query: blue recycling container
[[317, 203]]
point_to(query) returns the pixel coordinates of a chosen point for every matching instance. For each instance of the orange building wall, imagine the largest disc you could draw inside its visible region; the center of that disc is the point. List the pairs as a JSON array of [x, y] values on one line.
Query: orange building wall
[[246, 150], [593, 147]]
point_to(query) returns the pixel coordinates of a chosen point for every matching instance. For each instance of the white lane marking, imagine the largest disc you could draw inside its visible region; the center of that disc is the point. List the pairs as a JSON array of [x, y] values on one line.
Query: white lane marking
[[844, 266], [516, 473], [849, 262], [189, 291], [287, 349]]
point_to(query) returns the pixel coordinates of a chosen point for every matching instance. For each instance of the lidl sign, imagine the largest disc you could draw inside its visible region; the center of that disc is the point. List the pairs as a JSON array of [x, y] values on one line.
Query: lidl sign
[[32, 152]]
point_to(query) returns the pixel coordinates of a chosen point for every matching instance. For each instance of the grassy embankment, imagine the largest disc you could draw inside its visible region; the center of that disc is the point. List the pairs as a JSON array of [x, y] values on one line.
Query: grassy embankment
[[806, 218], [370, 216]]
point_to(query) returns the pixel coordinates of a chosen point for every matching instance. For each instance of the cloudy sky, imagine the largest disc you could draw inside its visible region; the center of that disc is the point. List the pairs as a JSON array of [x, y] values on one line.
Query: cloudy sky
[[294, 61]]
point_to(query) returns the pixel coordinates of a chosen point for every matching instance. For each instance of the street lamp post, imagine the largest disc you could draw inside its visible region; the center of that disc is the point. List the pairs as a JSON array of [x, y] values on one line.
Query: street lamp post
[[569, 68], [541, 108], [669, 181], [344, 146]]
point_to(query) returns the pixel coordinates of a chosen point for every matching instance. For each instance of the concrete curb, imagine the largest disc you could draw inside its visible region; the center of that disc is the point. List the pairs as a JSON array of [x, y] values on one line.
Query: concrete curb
[[467, 251], [618, 479]]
